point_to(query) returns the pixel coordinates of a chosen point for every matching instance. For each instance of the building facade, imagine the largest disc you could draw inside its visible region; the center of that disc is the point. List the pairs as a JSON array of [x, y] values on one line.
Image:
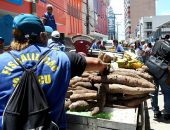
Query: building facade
[[134, 10], [149, 25], [94, 15], [111, 23], [70, 15]]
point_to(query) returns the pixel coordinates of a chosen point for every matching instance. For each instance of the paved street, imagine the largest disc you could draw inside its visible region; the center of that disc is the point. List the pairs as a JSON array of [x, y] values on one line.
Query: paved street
[[158, 124]]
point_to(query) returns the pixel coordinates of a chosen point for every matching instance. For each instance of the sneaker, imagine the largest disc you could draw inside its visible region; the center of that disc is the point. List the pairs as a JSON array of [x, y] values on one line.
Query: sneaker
[[166, 116], [157, 114]]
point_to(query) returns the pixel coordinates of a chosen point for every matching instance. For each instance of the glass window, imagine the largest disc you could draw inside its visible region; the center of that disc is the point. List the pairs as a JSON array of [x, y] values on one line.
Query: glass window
[[149, 25]]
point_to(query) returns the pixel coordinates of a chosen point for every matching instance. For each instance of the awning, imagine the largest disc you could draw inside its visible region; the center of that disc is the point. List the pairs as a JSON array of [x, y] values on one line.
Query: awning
[[165, 25], [99, 35]]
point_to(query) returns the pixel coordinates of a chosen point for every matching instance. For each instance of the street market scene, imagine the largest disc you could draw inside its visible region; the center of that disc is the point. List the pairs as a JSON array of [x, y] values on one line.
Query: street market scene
[[84, 65]]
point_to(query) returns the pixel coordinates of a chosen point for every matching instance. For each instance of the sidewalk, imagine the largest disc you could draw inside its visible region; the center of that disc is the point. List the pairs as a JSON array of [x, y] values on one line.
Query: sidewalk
[[158, 124]]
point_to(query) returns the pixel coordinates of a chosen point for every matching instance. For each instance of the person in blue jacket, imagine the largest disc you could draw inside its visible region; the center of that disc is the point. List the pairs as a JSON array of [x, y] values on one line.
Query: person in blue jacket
[[55, 42], [48, 17], [94, 45], [118, 47], [53, 74]]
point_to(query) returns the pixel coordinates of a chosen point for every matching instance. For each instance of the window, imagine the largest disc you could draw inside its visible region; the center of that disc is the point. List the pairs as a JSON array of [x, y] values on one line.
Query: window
[[148, 33], [149, 25]]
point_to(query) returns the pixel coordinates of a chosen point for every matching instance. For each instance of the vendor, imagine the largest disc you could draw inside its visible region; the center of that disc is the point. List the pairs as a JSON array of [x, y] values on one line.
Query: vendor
[[28, 45], [95, 45], [118, 47]]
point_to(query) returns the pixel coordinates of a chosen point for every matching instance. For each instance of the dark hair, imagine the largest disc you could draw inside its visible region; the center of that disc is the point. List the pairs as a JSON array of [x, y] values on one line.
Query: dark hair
[[1, 39], [137, 44], [149, 45], [115, 41], [167, 36]]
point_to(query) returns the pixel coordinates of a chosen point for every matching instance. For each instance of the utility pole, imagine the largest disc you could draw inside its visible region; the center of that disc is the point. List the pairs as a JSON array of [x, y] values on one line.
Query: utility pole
[[33, 6], [117, 25], [87, 17]]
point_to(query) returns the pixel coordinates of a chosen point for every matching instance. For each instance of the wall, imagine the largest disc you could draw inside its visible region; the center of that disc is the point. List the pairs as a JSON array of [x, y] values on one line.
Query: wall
[[101, 18], [14, 8], [74, 17]]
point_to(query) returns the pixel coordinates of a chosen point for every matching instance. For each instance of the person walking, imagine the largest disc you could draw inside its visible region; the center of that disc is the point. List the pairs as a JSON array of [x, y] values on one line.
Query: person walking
[[138, 51], [54, 73]]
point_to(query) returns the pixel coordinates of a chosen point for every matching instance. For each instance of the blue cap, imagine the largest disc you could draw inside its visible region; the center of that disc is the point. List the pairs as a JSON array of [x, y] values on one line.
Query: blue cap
[[48, 29], [28, 24]]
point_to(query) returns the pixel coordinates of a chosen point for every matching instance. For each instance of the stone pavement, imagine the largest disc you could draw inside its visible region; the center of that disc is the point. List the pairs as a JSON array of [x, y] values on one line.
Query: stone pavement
[[160, 124]]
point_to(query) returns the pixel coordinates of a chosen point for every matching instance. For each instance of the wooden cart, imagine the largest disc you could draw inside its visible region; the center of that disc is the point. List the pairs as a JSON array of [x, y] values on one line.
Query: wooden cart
[[121, 119]]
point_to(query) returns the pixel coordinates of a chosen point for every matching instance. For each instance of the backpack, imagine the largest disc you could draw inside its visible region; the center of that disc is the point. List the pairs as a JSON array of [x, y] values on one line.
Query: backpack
[[162, 49], [158, 61], [27, 107]]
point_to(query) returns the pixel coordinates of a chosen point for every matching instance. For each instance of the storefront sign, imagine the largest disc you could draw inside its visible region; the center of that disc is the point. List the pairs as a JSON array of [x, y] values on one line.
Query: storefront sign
[[18, 2]]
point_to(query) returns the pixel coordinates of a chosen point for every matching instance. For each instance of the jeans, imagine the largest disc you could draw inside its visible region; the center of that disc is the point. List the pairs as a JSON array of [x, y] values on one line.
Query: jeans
[[154, 97], [166, 92]]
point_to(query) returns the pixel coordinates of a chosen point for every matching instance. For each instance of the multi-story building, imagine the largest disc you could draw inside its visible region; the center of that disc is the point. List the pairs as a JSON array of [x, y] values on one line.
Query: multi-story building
[[111, 23], [68, 14], [134, 10], [88, 16], [147, 26], [99, 19]]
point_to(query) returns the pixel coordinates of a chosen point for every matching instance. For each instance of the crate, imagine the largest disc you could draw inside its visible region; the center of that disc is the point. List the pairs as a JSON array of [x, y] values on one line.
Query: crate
[[121, 119]]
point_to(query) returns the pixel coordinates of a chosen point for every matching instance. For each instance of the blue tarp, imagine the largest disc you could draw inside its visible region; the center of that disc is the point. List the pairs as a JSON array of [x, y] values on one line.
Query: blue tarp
[[18, 2]]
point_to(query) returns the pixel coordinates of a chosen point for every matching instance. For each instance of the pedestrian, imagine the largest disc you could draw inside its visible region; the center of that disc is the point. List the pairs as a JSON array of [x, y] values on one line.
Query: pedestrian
[[138, 51], [102, 45], [154, 100], [162, 82], [95, 45], [143, 44], [118, 47], [147, 52], [55, 41], [54, 73], [1, 45], [48, 17]]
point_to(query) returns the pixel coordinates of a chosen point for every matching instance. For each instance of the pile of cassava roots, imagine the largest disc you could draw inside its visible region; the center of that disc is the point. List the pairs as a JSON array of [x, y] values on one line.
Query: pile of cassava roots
[[121, 87]]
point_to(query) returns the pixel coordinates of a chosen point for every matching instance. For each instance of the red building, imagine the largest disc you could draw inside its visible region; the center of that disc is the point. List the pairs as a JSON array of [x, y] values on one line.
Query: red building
[[100, 7], [67, 12]]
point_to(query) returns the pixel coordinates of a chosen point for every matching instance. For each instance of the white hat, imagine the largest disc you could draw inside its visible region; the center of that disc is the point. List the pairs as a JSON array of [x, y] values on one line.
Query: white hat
[[55, 34], [49, 5]]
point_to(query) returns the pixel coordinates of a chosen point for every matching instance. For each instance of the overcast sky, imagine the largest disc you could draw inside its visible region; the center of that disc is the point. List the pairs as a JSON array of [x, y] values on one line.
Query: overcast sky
[[118, 8]]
